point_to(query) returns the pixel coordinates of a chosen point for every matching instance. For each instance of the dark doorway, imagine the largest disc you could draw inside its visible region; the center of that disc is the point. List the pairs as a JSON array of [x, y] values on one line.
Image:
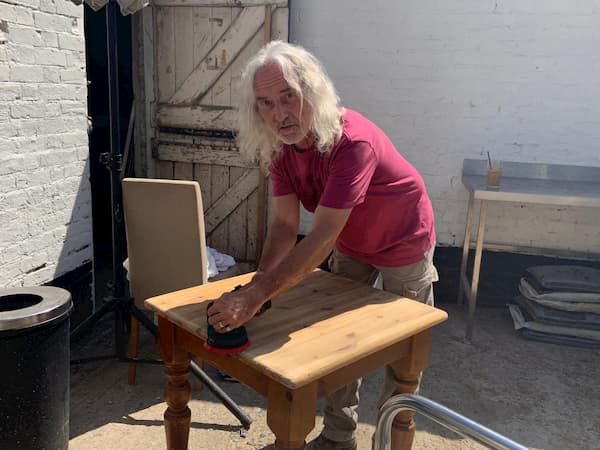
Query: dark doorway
[[98, 112]]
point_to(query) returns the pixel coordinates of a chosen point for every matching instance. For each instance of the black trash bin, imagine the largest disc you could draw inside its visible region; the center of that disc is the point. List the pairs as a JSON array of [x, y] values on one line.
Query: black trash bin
[[34, 380]]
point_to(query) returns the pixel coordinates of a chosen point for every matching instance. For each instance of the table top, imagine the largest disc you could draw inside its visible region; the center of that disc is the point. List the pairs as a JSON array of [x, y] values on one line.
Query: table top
[[553, 184], [323, 324]]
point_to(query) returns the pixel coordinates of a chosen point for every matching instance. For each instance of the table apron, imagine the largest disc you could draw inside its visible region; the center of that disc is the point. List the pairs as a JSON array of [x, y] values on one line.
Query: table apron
[[329, 383], [230, 364], [341, 377]]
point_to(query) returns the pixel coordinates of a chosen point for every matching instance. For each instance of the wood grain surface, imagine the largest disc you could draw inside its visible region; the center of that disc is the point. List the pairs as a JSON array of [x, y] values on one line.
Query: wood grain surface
[[323, 324]]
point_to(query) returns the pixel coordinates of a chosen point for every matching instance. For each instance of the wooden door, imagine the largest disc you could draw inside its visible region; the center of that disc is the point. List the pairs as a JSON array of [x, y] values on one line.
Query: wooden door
[[201, 48]]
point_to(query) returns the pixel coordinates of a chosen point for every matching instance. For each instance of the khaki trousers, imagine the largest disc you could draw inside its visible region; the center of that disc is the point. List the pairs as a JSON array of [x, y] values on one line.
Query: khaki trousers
[[414, 281]]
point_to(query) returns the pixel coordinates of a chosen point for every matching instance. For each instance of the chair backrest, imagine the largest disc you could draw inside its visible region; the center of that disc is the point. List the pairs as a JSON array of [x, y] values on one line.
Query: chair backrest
[[164, 223]]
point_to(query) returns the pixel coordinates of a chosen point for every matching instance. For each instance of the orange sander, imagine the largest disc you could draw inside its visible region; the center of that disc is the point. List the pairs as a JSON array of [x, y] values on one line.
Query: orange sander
[[234, 341]]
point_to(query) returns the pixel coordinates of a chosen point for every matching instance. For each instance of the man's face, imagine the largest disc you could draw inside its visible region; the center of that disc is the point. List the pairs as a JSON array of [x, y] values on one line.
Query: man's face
[[280, 107]]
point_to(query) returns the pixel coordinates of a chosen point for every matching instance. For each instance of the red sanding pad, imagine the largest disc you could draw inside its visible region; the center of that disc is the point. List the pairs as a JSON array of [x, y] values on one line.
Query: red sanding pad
[[227, 351]]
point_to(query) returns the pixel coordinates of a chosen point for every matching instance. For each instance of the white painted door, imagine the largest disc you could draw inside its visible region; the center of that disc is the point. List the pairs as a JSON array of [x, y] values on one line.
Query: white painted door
[[201, 48]]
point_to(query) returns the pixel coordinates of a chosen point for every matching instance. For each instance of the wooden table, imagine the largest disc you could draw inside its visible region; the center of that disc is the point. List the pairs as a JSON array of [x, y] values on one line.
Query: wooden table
[[317, 337]]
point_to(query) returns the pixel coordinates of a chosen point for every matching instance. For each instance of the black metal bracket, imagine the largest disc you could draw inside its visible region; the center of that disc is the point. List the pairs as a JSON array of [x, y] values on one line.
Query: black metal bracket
[[111, 162]]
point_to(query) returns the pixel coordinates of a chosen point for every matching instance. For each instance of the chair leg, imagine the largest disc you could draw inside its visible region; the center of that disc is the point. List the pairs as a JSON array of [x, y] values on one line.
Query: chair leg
[[133, 349]]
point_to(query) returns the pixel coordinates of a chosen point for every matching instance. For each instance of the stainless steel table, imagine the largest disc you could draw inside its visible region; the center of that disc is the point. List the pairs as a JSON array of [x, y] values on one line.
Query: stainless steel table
[[548, 184]]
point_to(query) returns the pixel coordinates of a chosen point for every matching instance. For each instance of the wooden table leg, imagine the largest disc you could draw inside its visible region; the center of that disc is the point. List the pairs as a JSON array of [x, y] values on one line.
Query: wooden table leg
[[476, 268], [291, 414], [177, 391], [407, 372]]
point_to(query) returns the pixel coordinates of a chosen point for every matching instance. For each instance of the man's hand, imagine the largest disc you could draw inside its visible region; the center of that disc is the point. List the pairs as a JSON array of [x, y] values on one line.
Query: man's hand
[[233, 309]]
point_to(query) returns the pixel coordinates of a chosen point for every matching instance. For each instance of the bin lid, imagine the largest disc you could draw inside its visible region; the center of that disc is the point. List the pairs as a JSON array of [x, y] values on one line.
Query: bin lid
[[28, 307]]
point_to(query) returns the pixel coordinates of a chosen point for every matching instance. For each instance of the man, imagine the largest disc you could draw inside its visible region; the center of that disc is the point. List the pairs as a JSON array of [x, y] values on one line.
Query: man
[[370, 205]]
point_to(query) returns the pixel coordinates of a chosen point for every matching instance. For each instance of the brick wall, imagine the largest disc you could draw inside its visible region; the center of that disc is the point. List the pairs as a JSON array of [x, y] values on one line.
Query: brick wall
[[45, 214], [449, 80]]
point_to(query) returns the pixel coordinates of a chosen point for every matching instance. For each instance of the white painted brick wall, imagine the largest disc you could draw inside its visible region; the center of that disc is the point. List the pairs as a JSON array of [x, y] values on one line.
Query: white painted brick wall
[[45, 197], [449, 80]]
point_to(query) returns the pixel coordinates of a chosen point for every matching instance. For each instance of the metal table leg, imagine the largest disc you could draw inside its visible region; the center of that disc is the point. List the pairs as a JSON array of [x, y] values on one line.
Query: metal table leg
[[463, 283], [476, 267]]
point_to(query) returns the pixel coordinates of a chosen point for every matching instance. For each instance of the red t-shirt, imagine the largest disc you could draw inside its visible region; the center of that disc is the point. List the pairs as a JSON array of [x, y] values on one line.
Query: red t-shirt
[[391, 223]]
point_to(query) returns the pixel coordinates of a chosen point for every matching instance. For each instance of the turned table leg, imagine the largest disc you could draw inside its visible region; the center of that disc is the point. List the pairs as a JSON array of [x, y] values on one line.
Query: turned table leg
[[291, 414], [407, 373], [177, 391], [178, 414]]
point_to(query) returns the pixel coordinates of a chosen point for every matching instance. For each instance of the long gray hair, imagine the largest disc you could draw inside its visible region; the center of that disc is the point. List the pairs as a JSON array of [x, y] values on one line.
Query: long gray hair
[[306, 76]]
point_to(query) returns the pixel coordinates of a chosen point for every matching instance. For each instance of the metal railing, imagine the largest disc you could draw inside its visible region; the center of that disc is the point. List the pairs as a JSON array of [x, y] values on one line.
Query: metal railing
[[440, 414]]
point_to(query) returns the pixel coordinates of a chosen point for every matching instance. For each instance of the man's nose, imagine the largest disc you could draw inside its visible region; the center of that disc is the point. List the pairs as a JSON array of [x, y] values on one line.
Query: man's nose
[[280, 112]]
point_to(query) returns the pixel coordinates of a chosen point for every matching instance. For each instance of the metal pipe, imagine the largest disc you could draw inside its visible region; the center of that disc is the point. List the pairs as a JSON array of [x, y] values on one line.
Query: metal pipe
[[221, 395], [440, 414]]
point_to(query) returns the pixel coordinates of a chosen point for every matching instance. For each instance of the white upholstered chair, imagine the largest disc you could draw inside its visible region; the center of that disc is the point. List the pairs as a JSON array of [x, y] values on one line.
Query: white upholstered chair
[[164, 222]]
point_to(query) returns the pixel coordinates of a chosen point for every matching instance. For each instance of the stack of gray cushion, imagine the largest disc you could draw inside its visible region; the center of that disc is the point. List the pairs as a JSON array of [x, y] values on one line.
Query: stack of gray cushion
[[559, 304]]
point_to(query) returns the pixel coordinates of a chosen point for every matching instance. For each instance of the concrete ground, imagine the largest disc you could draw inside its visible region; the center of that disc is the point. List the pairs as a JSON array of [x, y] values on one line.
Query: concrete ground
[[543, 396]]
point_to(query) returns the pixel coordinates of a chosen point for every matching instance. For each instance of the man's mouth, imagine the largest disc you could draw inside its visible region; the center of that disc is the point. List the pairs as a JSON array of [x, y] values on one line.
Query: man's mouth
[[287, 127]]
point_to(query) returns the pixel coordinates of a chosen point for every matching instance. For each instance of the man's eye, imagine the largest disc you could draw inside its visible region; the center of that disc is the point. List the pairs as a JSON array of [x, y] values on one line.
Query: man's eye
[[290, 95], [265, 103]]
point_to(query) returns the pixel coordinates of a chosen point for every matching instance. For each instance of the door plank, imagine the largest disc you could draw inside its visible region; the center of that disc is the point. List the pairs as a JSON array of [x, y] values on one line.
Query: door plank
[[219, 230], [279, 25], [237, 66], [183, 171], [202, 174], [262, 204], [202, 117], [228, 201], [165, 56], [233, 40], [251, 225], [238, 235], [195, 154], [165, 170], [201, 38], [220, 92], [184, 49]]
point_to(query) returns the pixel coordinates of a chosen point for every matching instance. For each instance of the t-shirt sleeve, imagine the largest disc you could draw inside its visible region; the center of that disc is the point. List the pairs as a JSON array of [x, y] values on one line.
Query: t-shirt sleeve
[[350, 173], [280, 181]]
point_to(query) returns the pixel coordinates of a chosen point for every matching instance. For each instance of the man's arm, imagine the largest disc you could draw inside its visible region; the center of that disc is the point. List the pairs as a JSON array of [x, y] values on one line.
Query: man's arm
[[307, 254], [236, 308], [282, 233]]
